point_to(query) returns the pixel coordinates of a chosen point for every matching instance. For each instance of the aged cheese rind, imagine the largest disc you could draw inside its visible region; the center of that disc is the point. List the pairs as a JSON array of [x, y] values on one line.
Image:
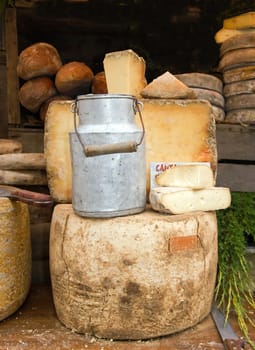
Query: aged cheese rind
[[103, 284], [124, 72], [224, 34], [201, 80], [58, 123], [193, 176], [244, 40], [10, 146], [244, 20], [23, 177], [235, 58], [214, 97], [167, 86], [179, 131], [15, 256], [241, 116], [174, 200], [240, 101], [239, 87], [22, 161], [239, 74]]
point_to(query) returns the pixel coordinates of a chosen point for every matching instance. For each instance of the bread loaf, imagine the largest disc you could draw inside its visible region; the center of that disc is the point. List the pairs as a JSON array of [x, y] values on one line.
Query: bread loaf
[[37, 60], [36, 91], [74, 78], [99, 85]]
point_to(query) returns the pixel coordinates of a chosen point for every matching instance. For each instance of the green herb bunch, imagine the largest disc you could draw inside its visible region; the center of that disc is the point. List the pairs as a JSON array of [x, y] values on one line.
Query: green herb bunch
[[235, 287]]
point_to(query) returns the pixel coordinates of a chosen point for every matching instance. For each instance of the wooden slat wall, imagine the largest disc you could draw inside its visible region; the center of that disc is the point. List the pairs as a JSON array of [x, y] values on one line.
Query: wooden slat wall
[[236, 155], [13, 107]]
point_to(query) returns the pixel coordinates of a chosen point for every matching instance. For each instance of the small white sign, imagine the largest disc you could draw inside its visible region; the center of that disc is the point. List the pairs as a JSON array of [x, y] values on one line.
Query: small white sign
[[159, 167]]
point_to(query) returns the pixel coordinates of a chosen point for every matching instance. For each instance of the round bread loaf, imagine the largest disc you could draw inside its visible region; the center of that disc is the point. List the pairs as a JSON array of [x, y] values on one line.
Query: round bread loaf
[[99, 85], [74, 78], [39, 59], [35, 91]]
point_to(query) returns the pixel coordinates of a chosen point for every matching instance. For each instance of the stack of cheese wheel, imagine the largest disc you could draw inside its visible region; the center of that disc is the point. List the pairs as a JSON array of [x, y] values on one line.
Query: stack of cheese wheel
[[237, 64], [207, 87]]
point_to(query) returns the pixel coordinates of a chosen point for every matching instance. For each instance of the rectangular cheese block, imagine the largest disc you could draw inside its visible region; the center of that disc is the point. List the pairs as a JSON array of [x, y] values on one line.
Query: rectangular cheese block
[[59, 123], [179, 131], [174, 200], [244, 20], [124, 72], [193, 176]]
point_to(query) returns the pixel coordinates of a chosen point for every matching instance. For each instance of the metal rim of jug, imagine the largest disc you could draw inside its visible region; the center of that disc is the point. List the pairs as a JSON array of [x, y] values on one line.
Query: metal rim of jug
[[95, 150]]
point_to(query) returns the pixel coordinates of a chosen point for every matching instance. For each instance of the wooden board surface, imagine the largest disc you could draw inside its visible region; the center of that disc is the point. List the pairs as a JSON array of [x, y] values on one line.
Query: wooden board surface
[[35, 326], [238, 177], [235, 142]]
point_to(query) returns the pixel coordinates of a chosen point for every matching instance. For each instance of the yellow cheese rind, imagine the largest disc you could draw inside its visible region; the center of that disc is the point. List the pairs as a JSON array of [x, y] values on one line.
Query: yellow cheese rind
[[15, 256], [167, 86], [174, 200], [224, 34], [102, 282], [244, 20], [179, 131], [124, 72], [58, 123], [193, 176]]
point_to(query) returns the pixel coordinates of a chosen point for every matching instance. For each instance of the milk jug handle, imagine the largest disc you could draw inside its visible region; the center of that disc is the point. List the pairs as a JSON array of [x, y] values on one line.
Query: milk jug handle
[[121, 147]]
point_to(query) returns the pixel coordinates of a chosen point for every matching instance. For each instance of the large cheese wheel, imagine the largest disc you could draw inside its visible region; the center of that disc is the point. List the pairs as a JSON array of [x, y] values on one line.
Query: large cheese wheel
[[244, 40], [240, 101], [133, 277], [224, 34], [201, 80], [22, 161], [15, 256], [37, 60], [23, 177], [58, 123], [45, 105], [10, 146], [34, 92], [235, 58], [74, 78], [239, 87], [214, 97], [239, 74], [241, 116]]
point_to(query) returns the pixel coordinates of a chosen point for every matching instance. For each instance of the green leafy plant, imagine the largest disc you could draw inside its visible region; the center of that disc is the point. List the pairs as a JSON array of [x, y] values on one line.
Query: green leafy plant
[[235, 287]]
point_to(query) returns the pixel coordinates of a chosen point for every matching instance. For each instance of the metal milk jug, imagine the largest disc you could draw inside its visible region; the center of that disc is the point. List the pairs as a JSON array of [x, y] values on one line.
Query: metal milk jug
[[108, 156]]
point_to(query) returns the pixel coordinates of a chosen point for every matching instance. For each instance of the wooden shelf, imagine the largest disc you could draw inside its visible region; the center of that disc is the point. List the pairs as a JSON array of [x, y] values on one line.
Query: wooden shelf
[[35, 326]]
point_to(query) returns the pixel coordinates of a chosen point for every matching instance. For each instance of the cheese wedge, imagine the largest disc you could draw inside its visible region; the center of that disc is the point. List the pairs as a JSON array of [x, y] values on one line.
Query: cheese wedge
[[244, 20], [177, 200], [124, 72], [224, 34], [167, 86], [193, 176]]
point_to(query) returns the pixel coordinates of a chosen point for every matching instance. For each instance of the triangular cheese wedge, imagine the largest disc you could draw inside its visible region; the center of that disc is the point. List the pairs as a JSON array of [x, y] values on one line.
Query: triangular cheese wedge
[[167, 86], [174, 200]]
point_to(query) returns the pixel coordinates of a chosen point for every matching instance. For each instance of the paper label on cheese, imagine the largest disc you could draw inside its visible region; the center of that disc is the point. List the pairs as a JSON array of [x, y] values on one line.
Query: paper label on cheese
[[158, 167]]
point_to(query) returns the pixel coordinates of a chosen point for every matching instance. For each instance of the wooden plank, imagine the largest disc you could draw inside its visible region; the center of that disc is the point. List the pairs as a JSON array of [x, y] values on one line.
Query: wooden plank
[[238, 177], [235, 142], [13, 106]]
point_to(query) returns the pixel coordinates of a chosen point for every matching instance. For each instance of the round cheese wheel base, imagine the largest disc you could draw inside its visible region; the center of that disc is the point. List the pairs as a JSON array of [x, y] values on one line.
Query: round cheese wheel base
[[241, 116], [134, 277], [15, 256]]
